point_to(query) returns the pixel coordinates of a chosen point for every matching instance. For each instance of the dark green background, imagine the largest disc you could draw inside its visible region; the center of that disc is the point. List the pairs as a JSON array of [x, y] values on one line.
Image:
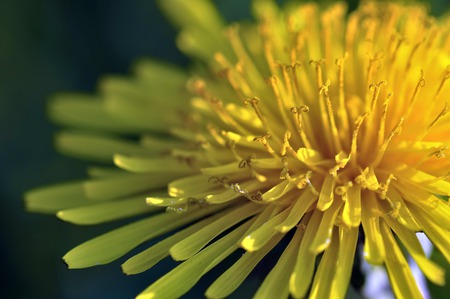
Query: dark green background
[[48, 46]]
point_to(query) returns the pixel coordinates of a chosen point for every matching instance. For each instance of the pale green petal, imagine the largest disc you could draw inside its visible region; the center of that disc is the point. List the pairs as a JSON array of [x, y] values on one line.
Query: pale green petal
[[107, 211], [158, 74], [200, 14], [402, 280], [112, 245], [54, 198], [96, 147], [276, 283], [149, 257], [194, 243], [84, 111], [181, 279], [231, 279], [159, 145], [124, 185], [103, 172]]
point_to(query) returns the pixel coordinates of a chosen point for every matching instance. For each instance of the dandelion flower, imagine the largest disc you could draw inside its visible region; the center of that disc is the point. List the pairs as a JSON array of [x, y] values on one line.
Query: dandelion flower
[[330, 125]]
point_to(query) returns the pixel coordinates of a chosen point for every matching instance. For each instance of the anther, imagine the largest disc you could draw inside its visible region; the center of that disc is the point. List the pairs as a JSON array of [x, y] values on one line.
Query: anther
[[247, 161], [254, 103]]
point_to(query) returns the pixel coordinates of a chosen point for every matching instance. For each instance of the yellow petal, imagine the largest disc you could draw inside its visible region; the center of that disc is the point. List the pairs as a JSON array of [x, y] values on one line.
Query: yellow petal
[[424, 180], [258, 238], [106, 211], [195, 242], [351, 214], [325, 275], [400, 275], [302, 274], [149, 257], [348, 238], [409, 239], [374, 251], [112, 245], [299, 209], [181, 279], [232, 278], [276, 283]]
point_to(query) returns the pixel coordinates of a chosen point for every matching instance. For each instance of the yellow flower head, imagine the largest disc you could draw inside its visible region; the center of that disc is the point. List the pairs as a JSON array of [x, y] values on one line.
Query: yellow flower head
[[329, 125]]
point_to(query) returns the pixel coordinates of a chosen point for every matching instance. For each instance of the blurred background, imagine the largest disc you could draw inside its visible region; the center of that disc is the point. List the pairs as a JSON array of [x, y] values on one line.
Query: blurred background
[[48, 46]]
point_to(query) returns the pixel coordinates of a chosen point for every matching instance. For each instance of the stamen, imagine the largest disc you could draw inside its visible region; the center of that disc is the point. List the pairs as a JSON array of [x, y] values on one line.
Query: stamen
[[342, 111], [274, 83], [219, 180], [286, 147], [297, 111], [334, 131], [384, 187], [383, 120], [254, 103], [263, 141], [306, 182], [440, 115], [247, 163], [396, 131], [292, 70], [441, 85], [353, 150]]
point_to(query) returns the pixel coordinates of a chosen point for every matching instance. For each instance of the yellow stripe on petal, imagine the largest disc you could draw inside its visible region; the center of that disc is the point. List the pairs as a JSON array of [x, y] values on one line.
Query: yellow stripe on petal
[[231, 279], [114, 244], [151, 165], [195, 242], [276, 283], [402, 280], [107, 211], [181, 279], [278, 191], [312, 157], [374, 251]]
